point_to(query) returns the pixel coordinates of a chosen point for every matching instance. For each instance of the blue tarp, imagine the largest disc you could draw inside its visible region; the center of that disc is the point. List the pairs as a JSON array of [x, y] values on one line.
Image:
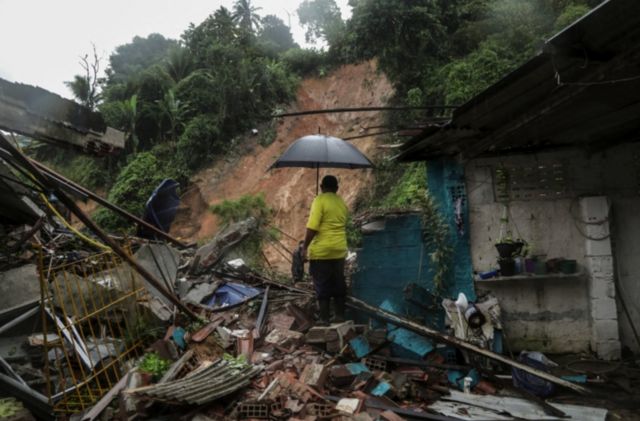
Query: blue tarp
[[161, 208], [232, 293]]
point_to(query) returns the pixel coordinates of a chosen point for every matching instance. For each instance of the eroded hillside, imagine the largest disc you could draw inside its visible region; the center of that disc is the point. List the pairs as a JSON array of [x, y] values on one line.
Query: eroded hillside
[[289, 191]]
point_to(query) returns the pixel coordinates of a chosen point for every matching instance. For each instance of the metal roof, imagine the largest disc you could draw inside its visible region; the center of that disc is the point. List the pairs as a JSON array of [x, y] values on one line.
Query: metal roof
[[202, 385], [45, 116], [582, 89]]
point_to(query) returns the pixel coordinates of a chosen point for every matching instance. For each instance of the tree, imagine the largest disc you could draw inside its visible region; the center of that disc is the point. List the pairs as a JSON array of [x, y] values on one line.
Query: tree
[[408, 37], [244, 14], [322, 19], [172, 110], [136, 56], [179, 63], [216, 30], [275, 35], [85, 88]]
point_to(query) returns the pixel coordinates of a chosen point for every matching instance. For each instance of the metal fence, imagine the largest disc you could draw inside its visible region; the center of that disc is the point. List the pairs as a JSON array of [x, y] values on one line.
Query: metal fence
[[95, 323]]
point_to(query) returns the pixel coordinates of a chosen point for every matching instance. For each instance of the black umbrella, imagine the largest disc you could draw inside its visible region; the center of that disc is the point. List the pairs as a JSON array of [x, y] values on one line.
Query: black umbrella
[[320, 151]]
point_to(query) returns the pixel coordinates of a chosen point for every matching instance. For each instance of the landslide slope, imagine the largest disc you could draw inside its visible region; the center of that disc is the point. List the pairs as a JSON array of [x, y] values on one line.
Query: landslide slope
[[289, 191]]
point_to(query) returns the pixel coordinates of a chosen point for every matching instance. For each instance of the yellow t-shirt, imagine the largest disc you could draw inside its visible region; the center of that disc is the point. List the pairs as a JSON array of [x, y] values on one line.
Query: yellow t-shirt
[[328, 217]]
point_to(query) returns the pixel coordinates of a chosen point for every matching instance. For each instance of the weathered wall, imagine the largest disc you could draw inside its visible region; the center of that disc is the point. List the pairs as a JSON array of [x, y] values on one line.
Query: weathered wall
[[565, 314]]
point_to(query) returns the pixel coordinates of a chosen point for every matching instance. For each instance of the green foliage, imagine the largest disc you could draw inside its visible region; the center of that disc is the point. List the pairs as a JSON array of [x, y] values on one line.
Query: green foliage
[[153, 364], [244, 14], [130, 59], [230, 211], [322, 20], [240, 362], [305, 62], [569, 15], [132, 189], [274, 36], [470, 75], [246, 206], [409, 189], [200, 142]]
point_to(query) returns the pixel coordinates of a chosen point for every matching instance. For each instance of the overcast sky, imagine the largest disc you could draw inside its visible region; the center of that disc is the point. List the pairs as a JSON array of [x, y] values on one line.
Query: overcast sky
[[41, 40]]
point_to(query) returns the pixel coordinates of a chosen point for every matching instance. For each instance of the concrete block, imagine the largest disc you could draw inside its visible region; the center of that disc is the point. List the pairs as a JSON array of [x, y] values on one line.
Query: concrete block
[[604, 309], [605, 330], [600, 265], [608, 350], [602, 287]]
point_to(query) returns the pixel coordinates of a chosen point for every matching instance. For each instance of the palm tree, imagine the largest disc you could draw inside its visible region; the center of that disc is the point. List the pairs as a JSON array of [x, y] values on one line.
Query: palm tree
[[129, 111], [244, 14], [179, 63]]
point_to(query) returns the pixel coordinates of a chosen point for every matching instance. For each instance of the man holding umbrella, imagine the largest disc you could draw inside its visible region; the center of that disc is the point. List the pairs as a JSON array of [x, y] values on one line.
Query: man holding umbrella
[[325, 246]]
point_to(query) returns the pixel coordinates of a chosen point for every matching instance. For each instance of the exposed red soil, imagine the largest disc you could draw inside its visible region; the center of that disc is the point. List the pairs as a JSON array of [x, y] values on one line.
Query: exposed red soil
[[289, 191]]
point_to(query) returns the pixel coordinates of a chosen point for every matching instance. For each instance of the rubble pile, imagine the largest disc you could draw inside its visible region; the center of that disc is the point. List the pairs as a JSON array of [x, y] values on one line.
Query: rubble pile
[[252, 351]]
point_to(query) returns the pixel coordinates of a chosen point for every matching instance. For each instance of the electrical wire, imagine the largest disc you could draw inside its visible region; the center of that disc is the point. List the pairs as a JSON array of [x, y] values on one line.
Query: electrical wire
[[577, 221], [71, 228]]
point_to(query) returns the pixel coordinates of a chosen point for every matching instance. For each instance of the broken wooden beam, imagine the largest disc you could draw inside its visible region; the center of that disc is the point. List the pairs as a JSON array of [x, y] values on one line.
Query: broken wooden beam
[[459, 343], [44, 181], [58, 178]]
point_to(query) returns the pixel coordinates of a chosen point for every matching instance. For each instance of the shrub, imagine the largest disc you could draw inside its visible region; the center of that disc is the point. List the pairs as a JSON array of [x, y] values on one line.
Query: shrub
[[304, 62], [200, 142], [132, 189]]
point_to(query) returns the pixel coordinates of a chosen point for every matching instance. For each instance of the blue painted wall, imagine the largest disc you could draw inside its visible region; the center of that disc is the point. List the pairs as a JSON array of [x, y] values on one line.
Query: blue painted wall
[[397, 256]]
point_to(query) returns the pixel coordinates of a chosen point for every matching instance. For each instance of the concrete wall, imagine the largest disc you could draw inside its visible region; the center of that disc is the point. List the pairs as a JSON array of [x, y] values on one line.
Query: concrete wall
[[567, 314]]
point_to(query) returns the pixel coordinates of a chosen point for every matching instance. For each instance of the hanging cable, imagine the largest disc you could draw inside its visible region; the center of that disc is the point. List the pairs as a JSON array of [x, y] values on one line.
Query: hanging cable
[[71, 228]]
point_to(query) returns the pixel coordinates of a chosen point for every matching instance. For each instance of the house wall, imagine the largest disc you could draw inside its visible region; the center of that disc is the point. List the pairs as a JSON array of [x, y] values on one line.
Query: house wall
[[563, 314]]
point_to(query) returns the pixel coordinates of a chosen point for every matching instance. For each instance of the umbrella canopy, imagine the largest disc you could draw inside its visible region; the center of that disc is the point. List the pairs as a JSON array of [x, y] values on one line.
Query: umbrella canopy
[[320, 151]]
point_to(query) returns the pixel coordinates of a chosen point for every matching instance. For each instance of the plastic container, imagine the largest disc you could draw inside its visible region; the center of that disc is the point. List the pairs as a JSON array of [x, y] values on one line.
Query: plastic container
[[569, 266], [489, 274], [530, 265], [541, 267], [519, 263]]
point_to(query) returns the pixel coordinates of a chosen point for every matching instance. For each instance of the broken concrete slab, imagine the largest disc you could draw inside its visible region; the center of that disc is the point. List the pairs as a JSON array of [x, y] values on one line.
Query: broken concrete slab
[[517, 408], [19, 285], [161, 260], [210, 254]]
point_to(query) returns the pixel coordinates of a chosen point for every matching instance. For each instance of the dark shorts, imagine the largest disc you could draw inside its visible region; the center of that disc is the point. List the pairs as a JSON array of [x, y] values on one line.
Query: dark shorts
[[328, 277]]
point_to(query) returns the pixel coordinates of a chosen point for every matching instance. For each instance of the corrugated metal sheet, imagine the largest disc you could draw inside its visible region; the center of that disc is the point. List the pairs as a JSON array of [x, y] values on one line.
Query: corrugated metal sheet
[[203, 385], [580, 90]]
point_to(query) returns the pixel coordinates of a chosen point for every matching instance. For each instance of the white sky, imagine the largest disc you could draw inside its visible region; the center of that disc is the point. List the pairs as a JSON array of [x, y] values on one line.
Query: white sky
[[41, 40]]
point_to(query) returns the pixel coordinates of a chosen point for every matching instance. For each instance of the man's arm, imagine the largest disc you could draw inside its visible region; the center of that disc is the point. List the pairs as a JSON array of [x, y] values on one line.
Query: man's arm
[[307, 240]]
